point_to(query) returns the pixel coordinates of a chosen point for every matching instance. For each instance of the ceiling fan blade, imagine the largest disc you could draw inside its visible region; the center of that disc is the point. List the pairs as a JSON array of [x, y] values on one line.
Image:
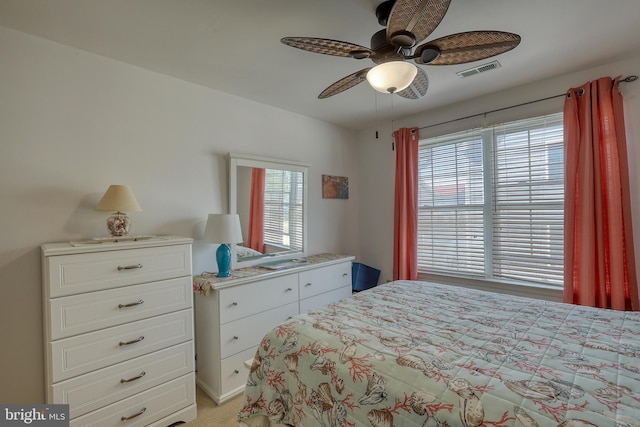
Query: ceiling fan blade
[[414, 19], [418, 87], [468, 47], [345, 83], [328, 47]]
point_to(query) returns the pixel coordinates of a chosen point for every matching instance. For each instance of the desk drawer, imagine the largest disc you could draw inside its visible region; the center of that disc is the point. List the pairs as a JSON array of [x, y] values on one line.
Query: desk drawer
[[79, 273], [100, 388], [94, 350], [323, 279], [247, 332], [143, 408], [76, 314], [245, 300]]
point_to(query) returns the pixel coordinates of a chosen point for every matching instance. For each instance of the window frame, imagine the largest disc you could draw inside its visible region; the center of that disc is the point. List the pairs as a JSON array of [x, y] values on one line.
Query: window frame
[[488, 280]]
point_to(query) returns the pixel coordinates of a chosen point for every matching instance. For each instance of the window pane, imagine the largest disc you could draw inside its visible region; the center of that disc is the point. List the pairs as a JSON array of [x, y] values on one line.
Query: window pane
[[451, 240]]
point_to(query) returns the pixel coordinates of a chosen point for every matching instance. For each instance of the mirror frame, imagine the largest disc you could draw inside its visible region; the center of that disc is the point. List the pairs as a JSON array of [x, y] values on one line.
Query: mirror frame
[[236, 160]]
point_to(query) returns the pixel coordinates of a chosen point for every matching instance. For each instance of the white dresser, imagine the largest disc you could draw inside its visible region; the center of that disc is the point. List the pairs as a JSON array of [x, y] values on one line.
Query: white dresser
[[118, 331], [233, 314]]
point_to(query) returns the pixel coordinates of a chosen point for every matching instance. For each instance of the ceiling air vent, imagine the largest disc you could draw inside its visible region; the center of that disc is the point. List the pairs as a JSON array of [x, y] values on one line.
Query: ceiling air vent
[[479, 69]]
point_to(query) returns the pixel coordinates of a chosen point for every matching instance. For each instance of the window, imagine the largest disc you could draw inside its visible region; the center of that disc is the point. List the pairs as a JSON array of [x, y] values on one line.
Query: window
[[283, 224], [491, 203]]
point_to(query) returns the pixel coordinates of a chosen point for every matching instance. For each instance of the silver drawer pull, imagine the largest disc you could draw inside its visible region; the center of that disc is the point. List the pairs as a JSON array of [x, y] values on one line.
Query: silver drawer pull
[[128, 380], [235, 338], [234, 304], [132, 341], [236, 371], [129, 267], [345, 274], [131, 304], [130, 417], [308, 284], [288, 290], [289, 318]]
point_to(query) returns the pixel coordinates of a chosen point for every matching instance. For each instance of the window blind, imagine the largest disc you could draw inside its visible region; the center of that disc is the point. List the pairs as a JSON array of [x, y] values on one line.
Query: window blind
[[491, 202], [450, 199], [528, 220], [283, 224]]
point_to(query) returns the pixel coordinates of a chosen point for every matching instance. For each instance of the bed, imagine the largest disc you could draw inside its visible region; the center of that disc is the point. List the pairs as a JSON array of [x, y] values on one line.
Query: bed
[[411, 353]]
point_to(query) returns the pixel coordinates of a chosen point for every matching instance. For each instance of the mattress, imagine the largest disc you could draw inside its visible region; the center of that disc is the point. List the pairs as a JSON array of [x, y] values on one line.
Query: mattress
[[410, 353]]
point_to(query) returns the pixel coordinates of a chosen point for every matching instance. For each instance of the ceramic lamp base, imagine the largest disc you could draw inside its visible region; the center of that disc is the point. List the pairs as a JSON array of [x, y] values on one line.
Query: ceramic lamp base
[[223, 258], [118, 224]]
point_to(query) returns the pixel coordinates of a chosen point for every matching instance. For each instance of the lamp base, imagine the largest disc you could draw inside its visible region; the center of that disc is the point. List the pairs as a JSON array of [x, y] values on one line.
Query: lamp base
[[223, 258], [118, 224]]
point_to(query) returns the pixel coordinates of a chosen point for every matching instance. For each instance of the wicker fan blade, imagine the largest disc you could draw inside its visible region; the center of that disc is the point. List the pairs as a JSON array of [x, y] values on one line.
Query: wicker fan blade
[[415, 17], [328, 47], [345, 83], [418, 87], [469, 46]]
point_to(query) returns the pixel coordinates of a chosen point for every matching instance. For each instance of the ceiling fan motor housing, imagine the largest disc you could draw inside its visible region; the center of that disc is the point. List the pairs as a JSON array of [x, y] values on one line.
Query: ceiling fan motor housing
[[383, 51]]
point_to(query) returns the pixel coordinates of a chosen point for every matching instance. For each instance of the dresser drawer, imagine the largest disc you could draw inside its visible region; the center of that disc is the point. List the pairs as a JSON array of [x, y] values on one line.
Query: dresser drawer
[[247, 332], [79, 273], [244, 300], [324, 299], [145, 407], [84, 353], [77, 314], [234, 373], [100, 388], [323, 279]]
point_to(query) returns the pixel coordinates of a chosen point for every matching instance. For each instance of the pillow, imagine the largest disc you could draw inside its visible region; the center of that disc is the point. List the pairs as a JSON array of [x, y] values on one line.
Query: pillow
[[244, 252]]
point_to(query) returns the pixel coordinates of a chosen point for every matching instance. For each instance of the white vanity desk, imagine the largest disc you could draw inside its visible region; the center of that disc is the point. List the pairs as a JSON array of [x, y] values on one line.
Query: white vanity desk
[[234, 313]]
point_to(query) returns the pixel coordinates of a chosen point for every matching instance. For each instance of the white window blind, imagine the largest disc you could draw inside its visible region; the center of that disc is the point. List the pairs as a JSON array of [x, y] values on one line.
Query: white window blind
[[491, 203], [451, 199], [283, 208]]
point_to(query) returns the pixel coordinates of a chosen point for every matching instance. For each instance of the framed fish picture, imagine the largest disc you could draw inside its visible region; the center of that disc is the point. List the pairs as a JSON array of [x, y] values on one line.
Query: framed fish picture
[[335, 187]]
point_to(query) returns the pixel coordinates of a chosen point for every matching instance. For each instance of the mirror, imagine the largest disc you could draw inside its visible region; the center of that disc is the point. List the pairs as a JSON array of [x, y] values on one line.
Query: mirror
[[275, 190]]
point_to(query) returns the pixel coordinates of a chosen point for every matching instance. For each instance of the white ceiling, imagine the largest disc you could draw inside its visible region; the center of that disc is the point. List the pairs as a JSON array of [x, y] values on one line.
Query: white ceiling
[[234, 46]]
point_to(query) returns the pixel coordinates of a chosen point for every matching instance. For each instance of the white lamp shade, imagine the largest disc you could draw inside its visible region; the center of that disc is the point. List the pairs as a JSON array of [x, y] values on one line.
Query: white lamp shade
[[391, 77], [223, 228], [118, 198]]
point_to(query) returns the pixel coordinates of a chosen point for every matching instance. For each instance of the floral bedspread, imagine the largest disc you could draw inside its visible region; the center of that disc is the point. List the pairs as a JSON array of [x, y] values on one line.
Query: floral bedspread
[[411, 353]]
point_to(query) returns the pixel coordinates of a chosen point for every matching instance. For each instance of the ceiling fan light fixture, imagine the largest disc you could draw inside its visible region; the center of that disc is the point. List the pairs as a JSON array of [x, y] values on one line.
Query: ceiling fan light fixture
[[391, 77]]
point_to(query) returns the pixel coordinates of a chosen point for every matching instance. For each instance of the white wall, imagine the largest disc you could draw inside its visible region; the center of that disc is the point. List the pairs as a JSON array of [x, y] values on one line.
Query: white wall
[[377, 161], [72, 123]]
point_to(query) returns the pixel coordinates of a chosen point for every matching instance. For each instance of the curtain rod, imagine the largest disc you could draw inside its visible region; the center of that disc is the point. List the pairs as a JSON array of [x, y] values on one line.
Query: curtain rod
[[627, 79]]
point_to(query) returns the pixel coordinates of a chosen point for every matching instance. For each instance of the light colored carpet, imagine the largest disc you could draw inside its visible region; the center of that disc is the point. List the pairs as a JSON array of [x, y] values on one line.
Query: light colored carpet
[[212, 415]]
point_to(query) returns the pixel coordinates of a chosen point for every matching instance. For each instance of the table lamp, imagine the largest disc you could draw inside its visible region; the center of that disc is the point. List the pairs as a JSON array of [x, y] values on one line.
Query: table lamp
[[118, 199], [223, 229]]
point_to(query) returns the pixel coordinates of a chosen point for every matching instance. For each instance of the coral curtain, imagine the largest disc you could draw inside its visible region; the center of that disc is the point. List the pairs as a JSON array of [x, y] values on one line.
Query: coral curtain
[[405, 227], [255, 239], [599, 254]]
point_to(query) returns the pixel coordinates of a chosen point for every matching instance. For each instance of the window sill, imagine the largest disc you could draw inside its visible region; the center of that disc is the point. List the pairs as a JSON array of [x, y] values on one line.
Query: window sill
[[543, 292]]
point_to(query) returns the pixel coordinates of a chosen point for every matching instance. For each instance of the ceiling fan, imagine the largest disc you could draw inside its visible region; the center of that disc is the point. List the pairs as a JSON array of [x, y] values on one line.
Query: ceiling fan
[[408, 22]]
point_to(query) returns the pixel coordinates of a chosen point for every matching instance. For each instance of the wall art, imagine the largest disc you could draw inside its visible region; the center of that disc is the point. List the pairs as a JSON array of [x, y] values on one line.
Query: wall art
[[335, 187]]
